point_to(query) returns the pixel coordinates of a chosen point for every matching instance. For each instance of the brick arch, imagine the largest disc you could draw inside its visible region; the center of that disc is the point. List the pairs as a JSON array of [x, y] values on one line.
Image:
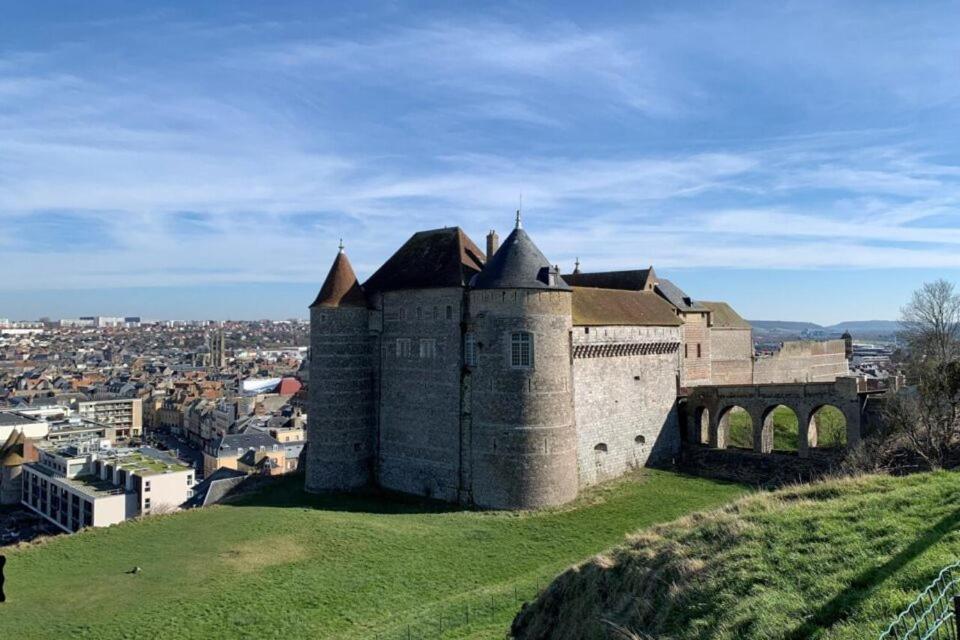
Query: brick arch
[[767, 422], [721, 424], [812, 437]]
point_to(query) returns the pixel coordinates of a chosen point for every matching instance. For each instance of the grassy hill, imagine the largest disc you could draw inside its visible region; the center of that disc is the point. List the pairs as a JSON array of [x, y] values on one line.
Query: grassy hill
[[287, 565], [835, 560]]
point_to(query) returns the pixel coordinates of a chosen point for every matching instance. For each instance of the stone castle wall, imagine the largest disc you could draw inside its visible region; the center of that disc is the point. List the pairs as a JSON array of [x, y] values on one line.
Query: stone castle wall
[[695, 366], [523, 439], [419, 443], [803, 361], [624, 401], [340, 421], [731, 352]]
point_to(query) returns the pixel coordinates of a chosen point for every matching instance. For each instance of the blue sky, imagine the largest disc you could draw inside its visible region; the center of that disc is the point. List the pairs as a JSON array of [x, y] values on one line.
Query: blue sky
[[200, 160]]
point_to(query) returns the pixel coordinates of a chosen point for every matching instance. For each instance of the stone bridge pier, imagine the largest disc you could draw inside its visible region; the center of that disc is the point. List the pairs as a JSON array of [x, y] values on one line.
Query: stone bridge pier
[[708, 410]]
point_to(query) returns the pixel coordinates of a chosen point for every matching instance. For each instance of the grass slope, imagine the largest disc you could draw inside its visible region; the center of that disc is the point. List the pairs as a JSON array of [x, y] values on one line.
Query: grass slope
[[834, 560], [284, 564]]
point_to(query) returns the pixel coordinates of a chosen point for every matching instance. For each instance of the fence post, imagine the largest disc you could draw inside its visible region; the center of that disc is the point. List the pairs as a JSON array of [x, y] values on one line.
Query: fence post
[[956, 614]]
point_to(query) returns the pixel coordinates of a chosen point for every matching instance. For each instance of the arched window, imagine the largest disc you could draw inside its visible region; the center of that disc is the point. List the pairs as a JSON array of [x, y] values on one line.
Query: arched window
[[640, 440], [521, 350], [601, 448]]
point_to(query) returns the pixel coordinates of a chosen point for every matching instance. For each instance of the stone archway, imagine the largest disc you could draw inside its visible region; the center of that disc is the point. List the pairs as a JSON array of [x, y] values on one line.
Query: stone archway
[[735, 428], [781, 428], [826, 428]]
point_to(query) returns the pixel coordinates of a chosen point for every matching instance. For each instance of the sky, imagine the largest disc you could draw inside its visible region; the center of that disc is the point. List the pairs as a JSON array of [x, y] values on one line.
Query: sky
[[800, 160]]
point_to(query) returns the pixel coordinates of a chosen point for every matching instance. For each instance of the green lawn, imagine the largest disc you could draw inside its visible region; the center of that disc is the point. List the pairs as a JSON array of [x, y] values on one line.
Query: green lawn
[[832, 561], [831, 428], [283, 564]]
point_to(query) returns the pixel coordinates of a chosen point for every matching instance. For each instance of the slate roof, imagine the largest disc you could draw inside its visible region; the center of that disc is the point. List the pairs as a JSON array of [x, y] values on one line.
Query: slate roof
[[518, 264], [675, 296], [341, 287], [248, 440], [617, 307], [436, 258], [724, 317], [633, 280]]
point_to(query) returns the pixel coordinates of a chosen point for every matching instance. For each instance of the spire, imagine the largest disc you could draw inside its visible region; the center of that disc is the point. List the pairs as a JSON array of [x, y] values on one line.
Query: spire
[[576, 265], [341, 245], [341, 288], [519, 222]]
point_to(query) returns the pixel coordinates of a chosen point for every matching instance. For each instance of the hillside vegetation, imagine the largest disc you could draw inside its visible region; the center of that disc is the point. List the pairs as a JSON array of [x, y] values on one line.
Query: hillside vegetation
[[834, 560], [287, 565]]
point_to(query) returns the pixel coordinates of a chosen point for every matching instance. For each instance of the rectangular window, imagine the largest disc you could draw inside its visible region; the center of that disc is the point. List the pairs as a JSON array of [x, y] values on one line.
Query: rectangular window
[[686, 351], [449, 312], [146, 486], [403, 347], [521, 350], [146, 503], [436, 313], [470, 349], [428, 348], [698, 349]]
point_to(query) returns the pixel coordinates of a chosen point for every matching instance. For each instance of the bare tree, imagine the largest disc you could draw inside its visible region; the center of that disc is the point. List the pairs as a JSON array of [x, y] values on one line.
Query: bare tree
[[930, 323], [927, 413]]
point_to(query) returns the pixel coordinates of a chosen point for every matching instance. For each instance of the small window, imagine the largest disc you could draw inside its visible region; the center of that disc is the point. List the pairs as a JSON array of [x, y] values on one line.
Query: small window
[[403, 347], [449, 312], [470, 349], [601, 448], [686, 351], [640, 440], [146, 486], [146, 503], [436, 313], [521, 350], [428, 348], [698, 350]]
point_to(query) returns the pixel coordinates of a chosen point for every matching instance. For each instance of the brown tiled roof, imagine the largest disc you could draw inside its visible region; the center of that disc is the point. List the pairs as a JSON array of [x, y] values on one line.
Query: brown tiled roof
[[616, 307], [724, 317], [634, 280], [341, 287], [436, 258]]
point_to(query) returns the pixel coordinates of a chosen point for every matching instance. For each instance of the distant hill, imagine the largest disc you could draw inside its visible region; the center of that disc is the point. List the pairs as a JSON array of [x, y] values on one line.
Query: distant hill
[[784, 325], [858, 328]]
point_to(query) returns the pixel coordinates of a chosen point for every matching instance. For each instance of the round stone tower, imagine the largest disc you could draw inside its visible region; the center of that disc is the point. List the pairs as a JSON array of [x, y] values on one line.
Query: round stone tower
[[523, 436], [340, 423]]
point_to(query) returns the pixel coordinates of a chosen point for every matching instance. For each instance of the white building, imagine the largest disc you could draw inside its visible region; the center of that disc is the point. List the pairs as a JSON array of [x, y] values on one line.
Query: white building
[[84, 485]]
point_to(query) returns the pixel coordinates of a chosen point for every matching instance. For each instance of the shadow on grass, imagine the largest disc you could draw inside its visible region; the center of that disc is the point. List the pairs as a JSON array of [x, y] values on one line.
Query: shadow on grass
[[860, 588], [287, 492]]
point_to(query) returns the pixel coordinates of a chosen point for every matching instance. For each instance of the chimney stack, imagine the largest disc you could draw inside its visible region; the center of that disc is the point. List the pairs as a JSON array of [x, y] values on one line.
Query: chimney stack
[[493, 243]]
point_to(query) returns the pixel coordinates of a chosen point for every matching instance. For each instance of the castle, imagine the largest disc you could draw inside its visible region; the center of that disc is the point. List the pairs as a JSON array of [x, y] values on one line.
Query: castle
[[487, 378]]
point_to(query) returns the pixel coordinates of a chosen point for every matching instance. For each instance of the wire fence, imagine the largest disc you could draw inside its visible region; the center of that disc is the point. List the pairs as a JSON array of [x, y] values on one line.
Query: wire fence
[[933, 615], [446, 621]]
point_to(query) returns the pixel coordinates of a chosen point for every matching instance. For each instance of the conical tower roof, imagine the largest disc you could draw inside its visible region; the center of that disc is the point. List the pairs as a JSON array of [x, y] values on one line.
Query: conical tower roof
[[519, 264], [341, 288]]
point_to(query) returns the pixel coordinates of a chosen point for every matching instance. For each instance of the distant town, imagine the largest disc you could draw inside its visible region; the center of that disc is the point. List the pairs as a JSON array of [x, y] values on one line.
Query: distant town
[[103, 419]]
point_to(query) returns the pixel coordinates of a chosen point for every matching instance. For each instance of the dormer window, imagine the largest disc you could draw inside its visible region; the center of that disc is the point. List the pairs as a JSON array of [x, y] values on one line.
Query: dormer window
[[521, 350]]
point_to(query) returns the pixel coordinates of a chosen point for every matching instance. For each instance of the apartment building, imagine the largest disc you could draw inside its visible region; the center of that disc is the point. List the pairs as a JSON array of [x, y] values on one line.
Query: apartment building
[[88, 484], [124, 415]]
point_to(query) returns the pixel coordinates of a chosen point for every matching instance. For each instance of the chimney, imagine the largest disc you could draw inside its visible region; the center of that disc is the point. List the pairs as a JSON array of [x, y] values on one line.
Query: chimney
[[493, 243]]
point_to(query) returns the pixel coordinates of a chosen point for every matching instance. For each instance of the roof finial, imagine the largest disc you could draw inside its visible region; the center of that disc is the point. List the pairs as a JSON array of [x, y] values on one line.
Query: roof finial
[[519, 208], [341, 245], [576, 265]]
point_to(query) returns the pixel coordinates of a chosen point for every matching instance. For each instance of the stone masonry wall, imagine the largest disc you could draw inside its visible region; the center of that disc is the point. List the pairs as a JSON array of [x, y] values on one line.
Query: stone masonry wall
[[625, 405], [731, 354], [419, 440], [803, 361], [695, 366], [523, 439], [341, 400]]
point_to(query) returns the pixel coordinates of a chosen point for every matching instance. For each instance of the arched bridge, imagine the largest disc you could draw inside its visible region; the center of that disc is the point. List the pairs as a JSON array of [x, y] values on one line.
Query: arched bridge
[[709, 408]]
